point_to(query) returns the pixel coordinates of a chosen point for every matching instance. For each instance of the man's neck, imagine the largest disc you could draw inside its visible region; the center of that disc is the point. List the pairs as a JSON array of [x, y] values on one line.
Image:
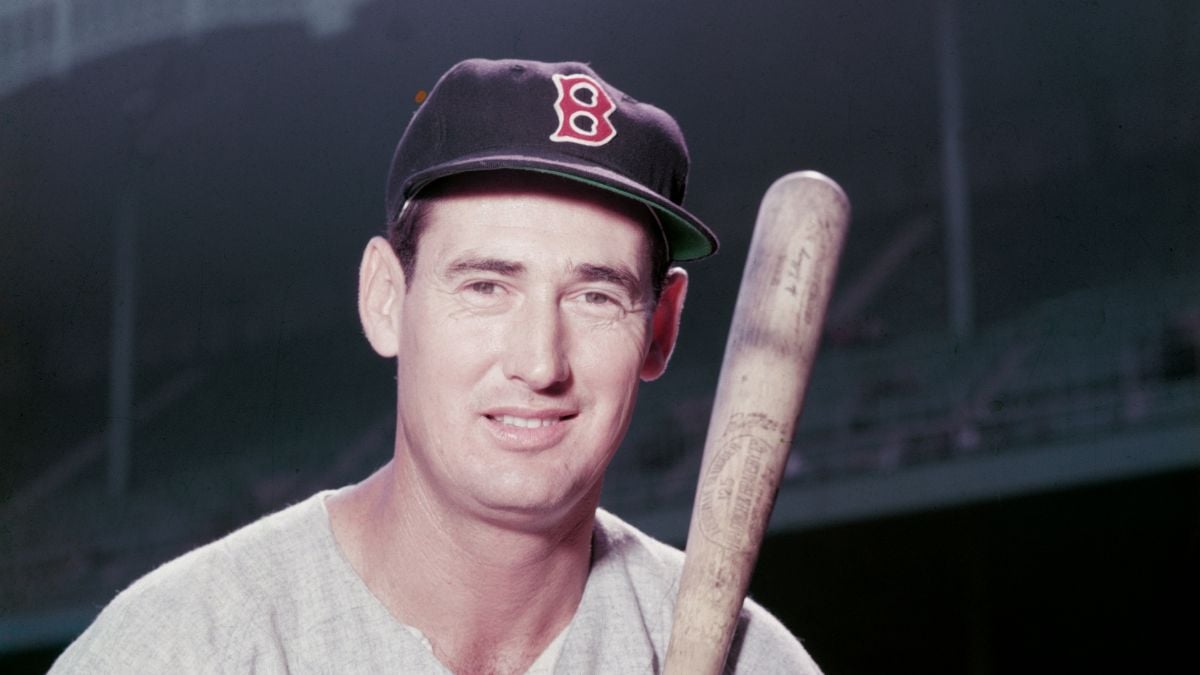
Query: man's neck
[[488, 597]]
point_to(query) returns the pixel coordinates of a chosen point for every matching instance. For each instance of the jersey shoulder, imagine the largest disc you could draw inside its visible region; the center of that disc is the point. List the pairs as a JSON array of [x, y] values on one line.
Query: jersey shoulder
[[200, 610]]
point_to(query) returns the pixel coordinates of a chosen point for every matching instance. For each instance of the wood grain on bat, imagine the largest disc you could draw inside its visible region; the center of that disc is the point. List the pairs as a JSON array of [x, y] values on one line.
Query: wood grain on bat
[[768, 359]]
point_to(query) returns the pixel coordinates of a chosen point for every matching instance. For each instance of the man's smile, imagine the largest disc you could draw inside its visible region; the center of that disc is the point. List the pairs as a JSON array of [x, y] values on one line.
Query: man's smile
[[527, 422], [530, 418], [529, 429]]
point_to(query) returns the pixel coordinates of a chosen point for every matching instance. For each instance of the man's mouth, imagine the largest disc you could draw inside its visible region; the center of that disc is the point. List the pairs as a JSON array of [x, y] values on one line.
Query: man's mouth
[[529, 422]]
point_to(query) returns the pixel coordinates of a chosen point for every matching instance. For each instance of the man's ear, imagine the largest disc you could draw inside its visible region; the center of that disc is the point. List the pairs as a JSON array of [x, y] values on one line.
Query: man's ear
[[664, 325], [380, 296]]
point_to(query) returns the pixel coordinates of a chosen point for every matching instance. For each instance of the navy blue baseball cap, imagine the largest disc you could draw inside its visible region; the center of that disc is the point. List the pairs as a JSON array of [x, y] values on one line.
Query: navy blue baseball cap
[[556, 118]]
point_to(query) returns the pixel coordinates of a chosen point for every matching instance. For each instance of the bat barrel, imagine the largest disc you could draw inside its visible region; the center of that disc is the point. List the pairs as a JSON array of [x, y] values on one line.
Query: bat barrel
[[772, 342]]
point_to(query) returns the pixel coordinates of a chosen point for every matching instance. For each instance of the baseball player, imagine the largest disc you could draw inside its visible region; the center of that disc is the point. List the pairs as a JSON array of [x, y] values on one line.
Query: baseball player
[[524, 289]]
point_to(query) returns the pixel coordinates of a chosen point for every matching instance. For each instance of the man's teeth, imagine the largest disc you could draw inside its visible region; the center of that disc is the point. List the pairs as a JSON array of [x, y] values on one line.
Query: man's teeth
[[527, 423]]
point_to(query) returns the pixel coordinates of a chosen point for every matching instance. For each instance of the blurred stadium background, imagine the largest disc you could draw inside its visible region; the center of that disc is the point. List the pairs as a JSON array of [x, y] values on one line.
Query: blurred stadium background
[[998, 468]]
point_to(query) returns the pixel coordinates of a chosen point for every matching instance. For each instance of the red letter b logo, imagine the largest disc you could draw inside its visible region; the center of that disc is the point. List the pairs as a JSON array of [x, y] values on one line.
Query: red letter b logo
[[583, 109]]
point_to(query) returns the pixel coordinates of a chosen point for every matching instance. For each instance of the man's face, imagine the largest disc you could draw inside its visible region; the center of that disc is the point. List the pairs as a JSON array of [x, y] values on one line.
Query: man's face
[[522, 336]]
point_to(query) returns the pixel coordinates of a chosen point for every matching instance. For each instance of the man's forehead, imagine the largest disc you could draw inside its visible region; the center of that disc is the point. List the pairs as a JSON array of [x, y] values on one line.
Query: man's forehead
[[529, 261], [516, 200], [508, 183]]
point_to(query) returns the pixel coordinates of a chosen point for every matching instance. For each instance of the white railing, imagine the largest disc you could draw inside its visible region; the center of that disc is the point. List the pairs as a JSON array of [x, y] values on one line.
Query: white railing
[[43, 38]]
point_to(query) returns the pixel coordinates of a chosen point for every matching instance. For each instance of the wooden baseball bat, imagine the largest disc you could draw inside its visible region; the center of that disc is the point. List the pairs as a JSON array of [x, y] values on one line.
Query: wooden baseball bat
[[768, 359]]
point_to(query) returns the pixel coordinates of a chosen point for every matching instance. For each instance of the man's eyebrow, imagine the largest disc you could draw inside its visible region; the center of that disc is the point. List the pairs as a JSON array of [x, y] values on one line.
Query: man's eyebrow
[[496, 265], [620, 276]]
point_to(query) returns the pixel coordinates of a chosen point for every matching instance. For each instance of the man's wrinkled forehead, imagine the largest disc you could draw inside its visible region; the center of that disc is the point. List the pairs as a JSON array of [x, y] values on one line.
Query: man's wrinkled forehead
[[469, 190], [478, 184], [514, 182]]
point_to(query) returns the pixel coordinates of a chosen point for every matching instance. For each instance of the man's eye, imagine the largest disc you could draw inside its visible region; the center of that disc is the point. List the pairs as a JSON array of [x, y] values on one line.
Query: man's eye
[[484, 287], [600, 305]]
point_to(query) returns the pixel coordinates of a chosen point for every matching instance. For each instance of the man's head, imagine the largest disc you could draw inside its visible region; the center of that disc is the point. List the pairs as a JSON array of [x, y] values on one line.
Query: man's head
[[525, 294]]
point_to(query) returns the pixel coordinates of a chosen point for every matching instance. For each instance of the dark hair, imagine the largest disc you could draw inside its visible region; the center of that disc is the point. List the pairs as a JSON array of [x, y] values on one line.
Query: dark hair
[[404, 234]]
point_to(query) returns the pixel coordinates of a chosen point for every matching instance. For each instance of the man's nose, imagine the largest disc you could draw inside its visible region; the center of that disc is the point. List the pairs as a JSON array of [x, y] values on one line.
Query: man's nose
[[536, 350]]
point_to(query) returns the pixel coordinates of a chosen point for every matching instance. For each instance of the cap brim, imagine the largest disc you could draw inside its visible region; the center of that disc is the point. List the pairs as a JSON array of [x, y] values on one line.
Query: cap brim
[[687, 237]]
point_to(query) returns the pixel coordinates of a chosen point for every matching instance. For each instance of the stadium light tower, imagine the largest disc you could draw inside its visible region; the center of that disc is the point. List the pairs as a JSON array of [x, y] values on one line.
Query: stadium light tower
[[956, 197]]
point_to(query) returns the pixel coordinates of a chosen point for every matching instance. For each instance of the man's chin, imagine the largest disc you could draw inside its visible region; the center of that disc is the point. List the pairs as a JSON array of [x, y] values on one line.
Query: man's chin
[[536, 513]]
